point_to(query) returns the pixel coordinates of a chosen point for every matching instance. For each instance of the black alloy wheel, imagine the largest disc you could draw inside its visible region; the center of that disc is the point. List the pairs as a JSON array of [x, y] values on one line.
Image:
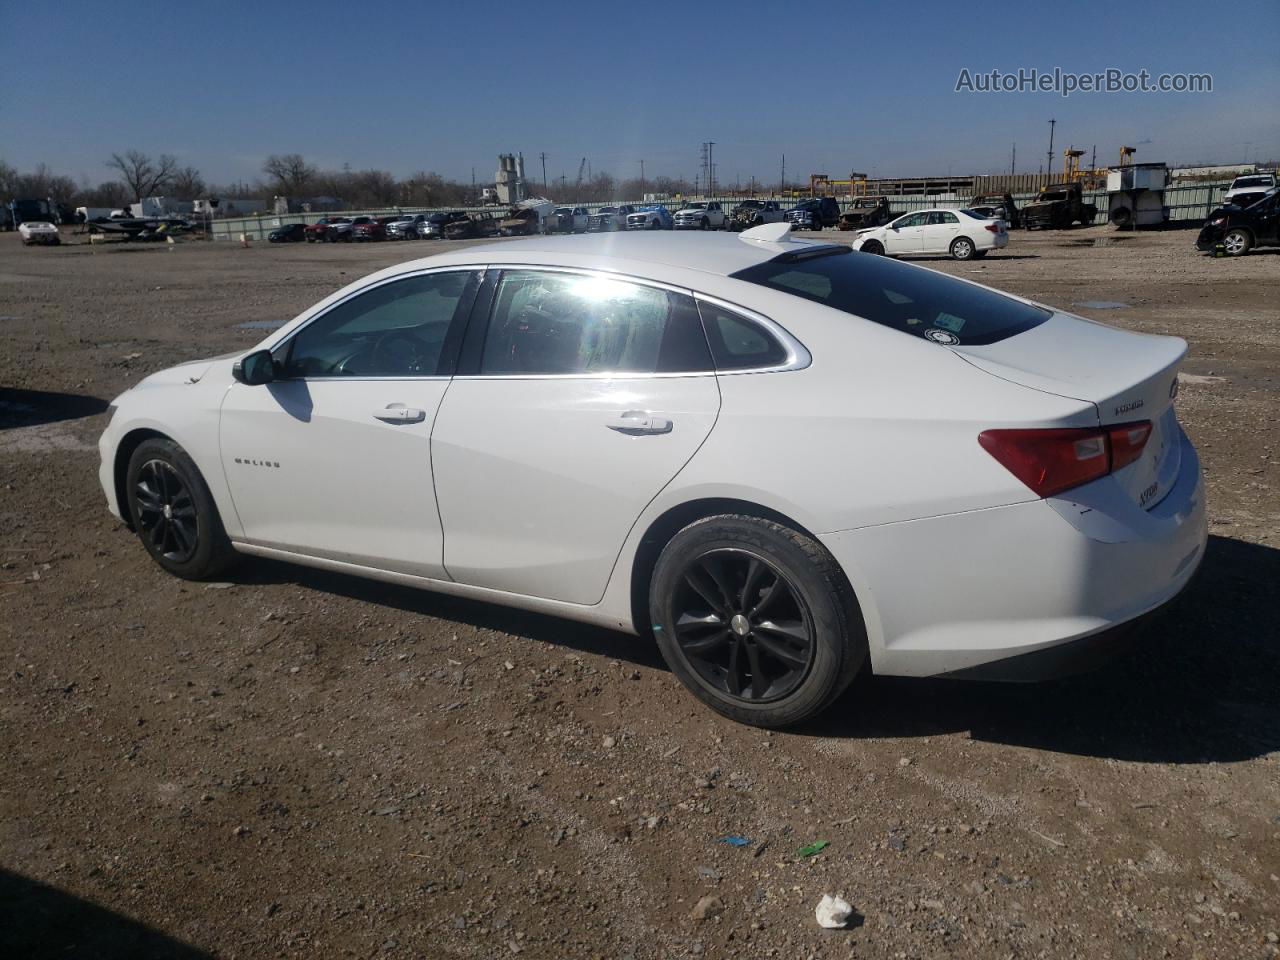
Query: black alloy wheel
[[166, 512], [743, 626]]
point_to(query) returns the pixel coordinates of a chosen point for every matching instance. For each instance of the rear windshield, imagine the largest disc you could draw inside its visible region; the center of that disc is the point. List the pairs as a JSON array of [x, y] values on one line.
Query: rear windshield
[[914, 300]]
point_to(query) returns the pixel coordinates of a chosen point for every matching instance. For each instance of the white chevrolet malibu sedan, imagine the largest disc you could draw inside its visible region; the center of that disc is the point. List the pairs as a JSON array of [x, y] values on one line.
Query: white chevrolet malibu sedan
[[780, 459], [961, 234]]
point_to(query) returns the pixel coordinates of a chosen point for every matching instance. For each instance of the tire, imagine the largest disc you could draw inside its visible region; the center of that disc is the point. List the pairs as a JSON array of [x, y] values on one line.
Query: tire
[[705, 225], [962, 248], [817, 227], [800, 605], [1237, 242], [655, 225], [164, 489], [873, 247]]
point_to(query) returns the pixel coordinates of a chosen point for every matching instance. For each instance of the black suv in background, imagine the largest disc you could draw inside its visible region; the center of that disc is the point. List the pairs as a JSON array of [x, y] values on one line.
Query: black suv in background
[[1239, 229], [814, 214]]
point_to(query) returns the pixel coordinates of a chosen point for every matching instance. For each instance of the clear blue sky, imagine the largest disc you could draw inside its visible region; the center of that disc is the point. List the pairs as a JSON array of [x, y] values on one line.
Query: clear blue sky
[[447, 86]]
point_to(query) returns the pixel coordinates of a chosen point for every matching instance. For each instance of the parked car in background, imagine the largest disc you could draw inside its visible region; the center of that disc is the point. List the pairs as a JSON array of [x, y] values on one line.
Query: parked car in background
[[1241, 229], [471, 226], [1031, 493], [318, 232], [701, 215], [405, 227], [38, 232], [652, 216], [961, 234], [814, 214], [571, 220], [1058, 206], [754, 213], [1253, 183], [997, 206], [368, 228], [528, 218], [340, 228], [865, 212], [289, 233], [432, 228], [609, 218]]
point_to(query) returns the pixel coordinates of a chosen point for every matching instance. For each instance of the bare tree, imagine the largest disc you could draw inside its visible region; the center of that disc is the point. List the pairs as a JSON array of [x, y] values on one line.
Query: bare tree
[[290, 173], [186, 183], [142, 176]]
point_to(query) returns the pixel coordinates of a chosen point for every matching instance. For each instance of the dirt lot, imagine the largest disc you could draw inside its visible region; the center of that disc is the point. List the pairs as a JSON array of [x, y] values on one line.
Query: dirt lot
[[301, 764]]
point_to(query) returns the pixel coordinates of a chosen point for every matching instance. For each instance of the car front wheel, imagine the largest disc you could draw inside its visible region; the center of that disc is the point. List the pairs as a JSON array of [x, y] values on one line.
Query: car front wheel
[[756, 619], [1237, 243], [173, 512]]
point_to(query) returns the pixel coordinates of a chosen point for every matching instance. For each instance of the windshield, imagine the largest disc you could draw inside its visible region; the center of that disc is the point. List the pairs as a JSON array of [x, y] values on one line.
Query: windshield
[[912, 300], [608, 210], [563, 212], [1251, 182], [695, 206], [1055, 195]]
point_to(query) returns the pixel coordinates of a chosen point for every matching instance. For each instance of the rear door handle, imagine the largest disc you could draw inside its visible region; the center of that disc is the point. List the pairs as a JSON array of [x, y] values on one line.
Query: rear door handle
[[638, 422], [399, 413]]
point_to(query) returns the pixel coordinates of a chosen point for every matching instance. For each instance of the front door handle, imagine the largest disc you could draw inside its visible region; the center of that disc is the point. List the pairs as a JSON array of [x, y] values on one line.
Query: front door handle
[[638, 422], [399, 413]]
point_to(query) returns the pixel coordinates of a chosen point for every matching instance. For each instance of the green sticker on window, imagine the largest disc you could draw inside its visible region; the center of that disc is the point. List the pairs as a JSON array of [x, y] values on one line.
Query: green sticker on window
[[949, 321]]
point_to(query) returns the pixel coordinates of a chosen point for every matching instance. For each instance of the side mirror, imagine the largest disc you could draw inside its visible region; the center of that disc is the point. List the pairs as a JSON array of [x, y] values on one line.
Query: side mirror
[[255, 369]]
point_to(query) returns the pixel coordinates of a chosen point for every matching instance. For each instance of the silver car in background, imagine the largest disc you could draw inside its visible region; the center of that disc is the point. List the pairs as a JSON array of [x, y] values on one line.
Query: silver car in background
[[406, 228]]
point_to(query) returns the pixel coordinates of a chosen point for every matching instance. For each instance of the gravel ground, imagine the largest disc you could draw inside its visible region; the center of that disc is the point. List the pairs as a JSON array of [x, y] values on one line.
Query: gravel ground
[[297, 763]]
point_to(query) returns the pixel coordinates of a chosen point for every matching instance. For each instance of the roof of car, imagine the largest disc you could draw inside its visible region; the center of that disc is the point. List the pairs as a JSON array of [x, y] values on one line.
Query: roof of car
[[714, 253]]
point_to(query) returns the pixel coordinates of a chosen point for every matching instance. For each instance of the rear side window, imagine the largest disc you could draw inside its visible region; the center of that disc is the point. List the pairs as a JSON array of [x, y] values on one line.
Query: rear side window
[[913, 300], [547, 323], [738, 343]]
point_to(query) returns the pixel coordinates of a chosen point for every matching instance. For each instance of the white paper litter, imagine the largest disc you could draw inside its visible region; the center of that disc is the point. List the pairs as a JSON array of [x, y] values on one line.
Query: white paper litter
[[833, 912]]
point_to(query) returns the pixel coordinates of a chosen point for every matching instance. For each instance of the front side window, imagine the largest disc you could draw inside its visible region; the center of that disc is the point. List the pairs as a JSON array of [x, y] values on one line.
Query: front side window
[[395, 329], [912, 220], [563, 324]]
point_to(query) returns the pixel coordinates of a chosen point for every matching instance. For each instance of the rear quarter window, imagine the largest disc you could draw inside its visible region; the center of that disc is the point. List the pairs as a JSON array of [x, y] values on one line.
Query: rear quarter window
[[912, 300]]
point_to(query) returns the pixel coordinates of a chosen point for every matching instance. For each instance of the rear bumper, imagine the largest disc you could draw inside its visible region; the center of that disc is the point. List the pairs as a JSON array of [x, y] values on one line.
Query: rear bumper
[[1051, 581]]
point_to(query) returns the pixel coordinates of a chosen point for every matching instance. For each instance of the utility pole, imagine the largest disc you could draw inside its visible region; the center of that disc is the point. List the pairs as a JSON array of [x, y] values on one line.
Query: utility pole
[[711, 168], [1093, 161], [1049, 165], [1013, 163], [543, 158], [782, 179], [642, 179]]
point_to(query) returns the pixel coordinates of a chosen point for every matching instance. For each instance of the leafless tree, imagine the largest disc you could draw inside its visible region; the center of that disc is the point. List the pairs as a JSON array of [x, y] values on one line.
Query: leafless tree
[[187, 184], [142, 176], [290, 173]]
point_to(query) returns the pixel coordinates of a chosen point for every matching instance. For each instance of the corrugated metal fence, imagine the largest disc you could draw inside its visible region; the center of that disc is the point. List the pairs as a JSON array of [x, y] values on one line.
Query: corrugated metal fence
[[1190, 203]]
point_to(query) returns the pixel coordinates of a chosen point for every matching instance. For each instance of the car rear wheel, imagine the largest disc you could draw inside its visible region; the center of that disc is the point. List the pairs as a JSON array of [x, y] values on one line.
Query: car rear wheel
[[756, 619], [1237, 242], [173, 512], [962, 248]]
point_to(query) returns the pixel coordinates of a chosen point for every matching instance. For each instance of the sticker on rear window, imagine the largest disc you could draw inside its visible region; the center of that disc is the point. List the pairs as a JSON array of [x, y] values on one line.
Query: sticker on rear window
[[942, 336], [949, 321]]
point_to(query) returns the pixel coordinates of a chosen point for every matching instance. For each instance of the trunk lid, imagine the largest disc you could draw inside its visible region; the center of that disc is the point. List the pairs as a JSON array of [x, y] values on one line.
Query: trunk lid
[[1127, 376]]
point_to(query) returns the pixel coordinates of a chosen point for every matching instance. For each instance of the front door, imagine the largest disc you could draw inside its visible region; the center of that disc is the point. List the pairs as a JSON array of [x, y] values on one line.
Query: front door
[[333, 458], [590, 394], [905, 236]]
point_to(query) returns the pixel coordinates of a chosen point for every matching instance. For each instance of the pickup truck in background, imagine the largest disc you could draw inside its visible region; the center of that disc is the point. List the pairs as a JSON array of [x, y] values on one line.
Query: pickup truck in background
[[708, 215]]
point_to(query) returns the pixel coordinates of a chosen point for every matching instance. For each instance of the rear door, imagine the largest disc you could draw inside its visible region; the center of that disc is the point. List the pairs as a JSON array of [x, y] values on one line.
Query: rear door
[[941, 228], [575, 404]]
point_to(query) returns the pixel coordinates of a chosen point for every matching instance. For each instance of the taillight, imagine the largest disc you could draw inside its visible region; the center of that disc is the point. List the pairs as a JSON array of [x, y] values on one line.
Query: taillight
[[993, 227], [1053, 460]]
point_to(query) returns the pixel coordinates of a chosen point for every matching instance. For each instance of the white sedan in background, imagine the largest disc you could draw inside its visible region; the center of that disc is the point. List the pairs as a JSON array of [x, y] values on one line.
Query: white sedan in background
[[779, 459], [38, 231], [962, 234]]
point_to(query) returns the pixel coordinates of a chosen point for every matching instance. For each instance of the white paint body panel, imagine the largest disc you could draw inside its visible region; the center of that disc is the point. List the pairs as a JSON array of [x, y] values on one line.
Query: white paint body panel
[[872, 448], [311, 470], [538, 493]]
